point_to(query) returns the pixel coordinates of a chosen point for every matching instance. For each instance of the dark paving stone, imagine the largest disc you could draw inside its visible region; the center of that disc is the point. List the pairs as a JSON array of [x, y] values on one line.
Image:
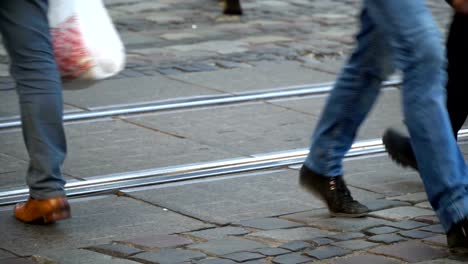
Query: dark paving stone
[[365, 259], [243, 256], [16, 261], [216, 261], [259, 261], [269, 223], [169, 256], [438, 240], [116, 250], [434, 229], [347, 236], [227, 245], [321, 241], [293, 258], [416, 234], [4, 254], [295, 245], [327, 252], [219, 232], [382, 230], [411, 251], [386, 238], [159, 241], [407, 225], [355, 244], [271, 251]]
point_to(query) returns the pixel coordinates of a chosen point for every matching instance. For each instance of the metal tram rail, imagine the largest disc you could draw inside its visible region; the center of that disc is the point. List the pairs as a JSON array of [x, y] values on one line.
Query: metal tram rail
[[192, 102], [223, 168]]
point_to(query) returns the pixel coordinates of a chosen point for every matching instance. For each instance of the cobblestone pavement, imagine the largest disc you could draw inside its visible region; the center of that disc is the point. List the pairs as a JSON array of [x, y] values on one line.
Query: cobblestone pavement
[[262, 218]]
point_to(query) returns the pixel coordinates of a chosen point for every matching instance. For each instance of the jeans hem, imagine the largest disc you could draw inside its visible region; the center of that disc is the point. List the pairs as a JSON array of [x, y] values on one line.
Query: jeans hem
[[454, 213]]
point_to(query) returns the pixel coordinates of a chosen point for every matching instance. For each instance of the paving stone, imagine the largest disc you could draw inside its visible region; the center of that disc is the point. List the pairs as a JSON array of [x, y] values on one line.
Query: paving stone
[[365, 259], [271, 251], [116, 250], [381, 204], [258, 261], [216, 261], [268, 223], [417, 234], [407, 225], [308, 216], [300, 233], [354, 244], [219, 232], [327, 252], [429, 219], [424, 205], [295, 245], [411, 197], [411, 251], [402, 213], [293, 258], [349, 224], [434, 229], [77, 256], [16, 261], [382, 230], [4, 254], [227, 245], [169, 256], [321, 241], [438, 240], [442, 261], [159, 241], [347, 236], [386, 238], [243, 256], [265, 39]]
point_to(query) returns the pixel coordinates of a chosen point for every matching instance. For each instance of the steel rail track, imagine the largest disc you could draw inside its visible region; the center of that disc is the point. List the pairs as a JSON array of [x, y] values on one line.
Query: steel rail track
[[183, 103], [115, 182]]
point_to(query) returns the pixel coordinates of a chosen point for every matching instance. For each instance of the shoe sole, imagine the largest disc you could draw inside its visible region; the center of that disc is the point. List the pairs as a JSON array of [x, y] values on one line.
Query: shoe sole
[[317, 195], [396, 155]]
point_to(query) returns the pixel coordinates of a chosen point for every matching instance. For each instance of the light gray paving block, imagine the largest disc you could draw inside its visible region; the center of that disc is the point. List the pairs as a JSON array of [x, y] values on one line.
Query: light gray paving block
[[116, 92], [380, 204], [166, 256], [408, 224], [293, 258], [402, 213], [327, 252], [411, 197], [266, 76], [106, 147], [349, 224], [295, 245], [243, 256], [158, 241], [271, 251], [354, 244], [216, 261], [218, 46], [300, 233], [116, 250], [95, 221], [219, 232], [382, 230], [411, 251], [386, 238], [268, 223], [229, 245], [347, 236], [385, 113], [416, 234], [4, 254], [231, 200], [235, 129], [78, 256], [321, 241], [434, 229], [365, 259]]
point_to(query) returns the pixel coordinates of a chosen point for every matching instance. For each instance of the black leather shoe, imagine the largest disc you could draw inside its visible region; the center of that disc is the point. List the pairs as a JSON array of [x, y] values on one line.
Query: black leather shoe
[[457, 237], [334, 192], [399, 148]]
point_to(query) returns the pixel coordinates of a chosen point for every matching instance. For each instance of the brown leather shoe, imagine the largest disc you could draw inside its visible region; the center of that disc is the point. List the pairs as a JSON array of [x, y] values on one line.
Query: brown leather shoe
[[43, 211]]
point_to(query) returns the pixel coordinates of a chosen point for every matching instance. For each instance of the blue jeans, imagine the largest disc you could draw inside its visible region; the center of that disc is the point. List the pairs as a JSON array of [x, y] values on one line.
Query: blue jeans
[[401, 34], [25, 30]]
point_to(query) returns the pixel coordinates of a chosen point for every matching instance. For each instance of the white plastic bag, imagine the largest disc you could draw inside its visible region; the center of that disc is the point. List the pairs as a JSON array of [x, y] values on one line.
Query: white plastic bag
[[86, 43]]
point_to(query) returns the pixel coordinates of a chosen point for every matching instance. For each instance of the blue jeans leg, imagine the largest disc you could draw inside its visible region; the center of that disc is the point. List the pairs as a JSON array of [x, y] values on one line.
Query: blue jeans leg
[[25, 30], [351, 99], [419, 53]]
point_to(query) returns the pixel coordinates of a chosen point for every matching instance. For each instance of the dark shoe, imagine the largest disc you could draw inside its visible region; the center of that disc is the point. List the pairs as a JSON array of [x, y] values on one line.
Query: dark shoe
[[43, 211], [334, 192], [457, 237], [399, 148]]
